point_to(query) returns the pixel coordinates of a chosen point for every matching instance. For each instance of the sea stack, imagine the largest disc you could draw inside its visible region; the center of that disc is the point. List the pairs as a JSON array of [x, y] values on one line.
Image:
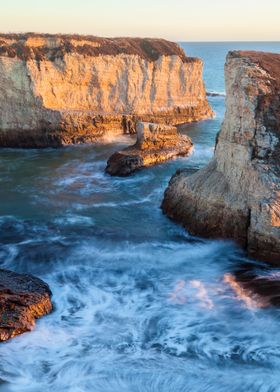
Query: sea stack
[[23, 299], [155, 143], [63, 89], [238, 194]]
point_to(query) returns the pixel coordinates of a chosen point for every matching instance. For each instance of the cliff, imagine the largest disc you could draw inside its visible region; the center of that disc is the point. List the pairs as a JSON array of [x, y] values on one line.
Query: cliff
[[238, 194], [155, 144], [62, 89]]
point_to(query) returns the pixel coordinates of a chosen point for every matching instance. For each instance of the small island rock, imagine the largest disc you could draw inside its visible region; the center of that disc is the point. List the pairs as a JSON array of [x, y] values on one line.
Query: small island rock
[[155, 143]]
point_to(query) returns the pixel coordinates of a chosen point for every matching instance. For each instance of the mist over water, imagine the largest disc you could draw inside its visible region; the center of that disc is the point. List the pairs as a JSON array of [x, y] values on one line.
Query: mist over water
[[140, 305]]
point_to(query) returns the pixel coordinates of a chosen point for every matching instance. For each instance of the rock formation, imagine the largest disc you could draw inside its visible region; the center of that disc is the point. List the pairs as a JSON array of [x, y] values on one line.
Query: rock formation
[[238, 194], [255, 288], [23, 298], [59, 89], [155, 143]]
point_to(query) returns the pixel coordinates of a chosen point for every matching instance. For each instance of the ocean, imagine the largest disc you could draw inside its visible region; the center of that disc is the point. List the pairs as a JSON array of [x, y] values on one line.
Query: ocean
[[140, 305]]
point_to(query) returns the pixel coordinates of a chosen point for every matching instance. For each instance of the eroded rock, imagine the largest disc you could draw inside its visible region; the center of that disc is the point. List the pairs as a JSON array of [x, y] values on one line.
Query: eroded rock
[[23, 299], [155, 143], [63, 89], [238, 194]]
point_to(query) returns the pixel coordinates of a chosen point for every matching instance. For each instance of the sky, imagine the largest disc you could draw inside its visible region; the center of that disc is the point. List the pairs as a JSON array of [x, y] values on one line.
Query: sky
[[178, 20]]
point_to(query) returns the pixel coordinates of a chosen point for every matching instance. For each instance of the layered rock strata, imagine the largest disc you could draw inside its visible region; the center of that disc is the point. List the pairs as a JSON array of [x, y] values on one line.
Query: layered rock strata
[[63, 89], [23, 299], [155, 143], [238, 194]]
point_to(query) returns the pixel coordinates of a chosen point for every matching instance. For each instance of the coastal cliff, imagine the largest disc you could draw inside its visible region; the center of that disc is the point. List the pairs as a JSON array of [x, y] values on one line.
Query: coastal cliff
[[63, 89], [238, 194]]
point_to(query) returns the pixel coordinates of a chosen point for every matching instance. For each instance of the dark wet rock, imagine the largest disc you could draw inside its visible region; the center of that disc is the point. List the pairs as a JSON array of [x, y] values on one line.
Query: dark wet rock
[[256, 286], [23, 299], [155, 143]]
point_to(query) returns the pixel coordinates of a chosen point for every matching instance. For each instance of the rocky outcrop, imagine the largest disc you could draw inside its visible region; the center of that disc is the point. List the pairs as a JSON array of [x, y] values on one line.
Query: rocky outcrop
[[238, 194], [23, 298], [155, 143], [59, 89]]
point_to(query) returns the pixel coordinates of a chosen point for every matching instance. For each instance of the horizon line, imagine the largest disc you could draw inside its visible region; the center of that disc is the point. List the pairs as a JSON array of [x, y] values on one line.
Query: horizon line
[[147, 37]]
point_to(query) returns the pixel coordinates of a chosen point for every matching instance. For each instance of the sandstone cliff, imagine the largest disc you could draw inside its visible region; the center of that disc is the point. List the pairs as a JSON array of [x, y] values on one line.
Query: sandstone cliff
[[238, 194], [59, 89], [155, 144]]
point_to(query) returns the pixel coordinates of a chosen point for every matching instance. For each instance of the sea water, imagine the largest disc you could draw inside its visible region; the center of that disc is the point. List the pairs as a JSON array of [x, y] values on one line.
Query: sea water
[[139, 304]]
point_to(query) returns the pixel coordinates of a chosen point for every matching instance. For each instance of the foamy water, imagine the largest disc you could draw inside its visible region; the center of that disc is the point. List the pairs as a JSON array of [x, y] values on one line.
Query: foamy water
[[139, 304]]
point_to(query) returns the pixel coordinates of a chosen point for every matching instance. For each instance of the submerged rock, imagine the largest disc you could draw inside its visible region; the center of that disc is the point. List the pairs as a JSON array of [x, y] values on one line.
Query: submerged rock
[[155, 143], [238, 194], [256, 286], [64, 89], [23, 298]]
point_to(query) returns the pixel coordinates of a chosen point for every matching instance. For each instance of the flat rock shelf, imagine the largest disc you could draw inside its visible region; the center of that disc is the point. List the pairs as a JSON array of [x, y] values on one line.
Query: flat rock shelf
[[155, 143]]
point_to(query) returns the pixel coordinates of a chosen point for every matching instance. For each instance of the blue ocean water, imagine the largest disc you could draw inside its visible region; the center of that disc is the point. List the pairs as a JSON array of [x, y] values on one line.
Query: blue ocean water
[[214, 54], [140, 305]]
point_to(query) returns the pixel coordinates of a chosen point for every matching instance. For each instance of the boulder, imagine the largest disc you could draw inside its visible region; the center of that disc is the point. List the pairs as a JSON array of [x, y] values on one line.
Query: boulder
[[155, 143], [23, 298], [237, 195]]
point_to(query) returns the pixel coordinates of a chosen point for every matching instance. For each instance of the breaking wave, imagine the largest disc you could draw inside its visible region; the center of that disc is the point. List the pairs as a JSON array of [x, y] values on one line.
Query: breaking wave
[[139, 304]]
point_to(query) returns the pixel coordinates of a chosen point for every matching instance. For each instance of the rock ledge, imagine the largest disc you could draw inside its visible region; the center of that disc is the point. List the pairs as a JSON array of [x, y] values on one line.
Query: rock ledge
[[155, 143]]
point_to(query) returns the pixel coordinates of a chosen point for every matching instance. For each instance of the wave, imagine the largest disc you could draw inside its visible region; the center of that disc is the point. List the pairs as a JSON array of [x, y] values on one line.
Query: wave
[[200, 155], [139, 304], [128, 314], [215, 94]]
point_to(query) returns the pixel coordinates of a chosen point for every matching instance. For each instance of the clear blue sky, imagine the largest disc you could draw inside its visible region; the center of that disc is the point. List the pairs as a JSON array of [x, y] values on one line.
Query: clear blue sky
[[181, 20]]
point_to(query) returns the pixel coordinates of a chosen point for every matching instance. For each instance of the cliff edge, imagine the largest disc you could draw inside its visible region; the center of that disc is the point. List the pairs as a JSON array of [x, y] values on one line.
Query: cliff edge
[[63, 89], [238, 194]]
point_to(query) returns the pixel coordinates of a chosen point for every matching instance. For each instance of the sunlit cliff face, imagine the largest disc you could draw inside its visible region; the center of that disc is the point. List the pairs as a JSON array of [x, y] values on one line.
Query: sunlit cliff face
[[62, 89], [236, 195]]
